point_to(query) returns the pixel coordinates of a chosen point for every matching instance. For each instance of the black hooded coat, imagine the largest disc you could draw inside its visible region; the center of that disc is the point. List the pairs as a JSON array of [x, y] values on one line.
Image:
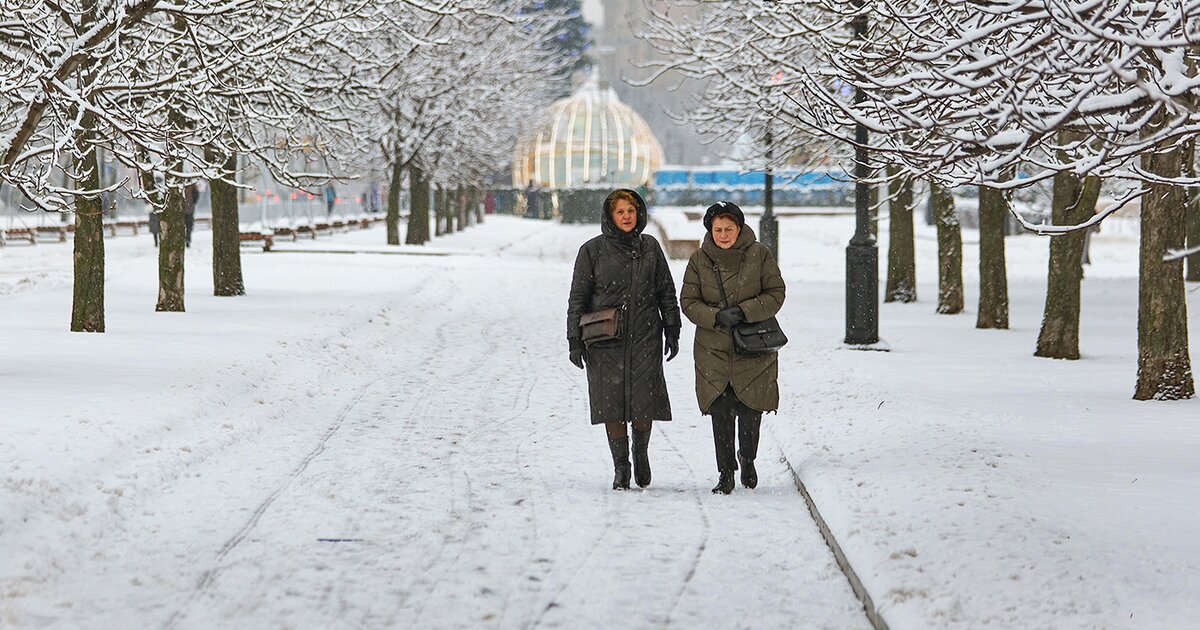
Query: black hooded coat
[[625, 376]]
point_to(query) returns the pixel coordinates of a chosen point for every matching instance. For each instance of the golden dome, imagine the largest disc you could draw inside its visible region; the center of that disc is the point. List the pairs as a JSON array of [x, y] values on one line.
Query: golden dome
[[589, 139]]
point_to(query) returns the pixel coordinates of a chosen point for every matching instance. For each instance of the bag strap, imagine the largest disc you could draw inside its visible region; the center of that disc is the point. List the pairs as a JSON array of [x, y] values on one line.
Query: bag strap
[[720, 283]]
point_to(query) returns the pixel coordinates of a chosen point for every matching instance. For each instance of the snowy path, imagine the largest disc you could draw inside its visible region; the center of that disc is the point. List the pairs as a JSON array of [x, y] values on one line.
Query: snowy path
[[437, 429]]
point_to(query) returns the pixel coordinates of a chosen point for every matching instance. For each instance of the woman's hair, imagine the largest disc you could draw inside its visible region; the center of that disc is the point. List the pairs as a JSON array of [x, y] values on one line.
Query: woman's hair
[[617, 195]]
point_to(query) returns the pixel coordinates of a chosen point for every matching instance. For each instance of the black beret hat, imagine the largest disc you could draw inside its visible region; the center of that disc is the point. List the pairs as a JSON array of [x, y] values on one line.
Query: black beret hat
[[724, 207]]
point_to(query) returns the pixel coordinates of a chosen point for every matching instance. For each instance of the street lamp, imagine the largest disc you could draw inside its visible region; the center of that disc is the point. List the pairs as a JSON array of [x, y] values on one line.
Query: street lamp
[[768, 225], [862, 255]]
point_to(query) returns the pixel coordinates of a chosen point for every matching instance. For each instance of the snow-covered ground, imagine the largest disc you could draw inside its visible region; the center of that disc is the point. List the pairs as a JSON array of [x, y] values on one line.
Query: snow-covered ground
[[180, 470]]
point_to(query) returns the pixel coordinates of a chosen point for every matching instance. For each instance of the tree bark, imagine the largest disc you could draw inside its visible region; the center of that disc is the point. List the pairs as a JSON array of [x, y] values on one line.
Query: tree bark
[[1191, 195], [170, 252], [1073, 202], [418, 213], [902, 266], [1193, 236], [993, 276], [949, 235], [226, 228], [460, 207], [87, 303], [1164, 366], [393, 209], [477, 203], [445, 223]]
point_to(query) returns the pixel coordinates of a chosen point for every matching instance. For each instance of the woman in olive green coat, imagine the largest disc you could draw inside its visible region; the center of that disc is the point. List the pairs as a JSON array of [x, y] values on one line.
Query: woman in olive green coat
[[730, 386]]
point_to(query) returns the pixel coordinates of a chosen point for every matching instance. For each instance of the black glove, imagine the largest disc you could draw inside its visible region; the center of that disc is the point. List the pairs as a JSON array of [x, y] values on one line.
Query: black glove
[[576, 352], [730, 317], [671, 345]]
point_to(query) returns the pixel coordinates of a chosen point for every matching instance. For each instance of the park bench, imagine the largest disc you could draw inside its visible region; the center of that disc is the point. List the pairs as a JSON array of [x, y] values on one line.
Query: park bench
[[18, 234], [58, 232], [286, 231], [133, 225], [678, 248], [268, 240]]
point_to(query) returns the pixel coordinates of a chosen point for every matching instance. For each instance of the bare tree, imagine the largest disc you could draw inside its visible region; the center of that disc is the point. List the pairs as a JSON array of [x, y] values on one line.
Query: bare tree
[[902, 265], [975, 87]]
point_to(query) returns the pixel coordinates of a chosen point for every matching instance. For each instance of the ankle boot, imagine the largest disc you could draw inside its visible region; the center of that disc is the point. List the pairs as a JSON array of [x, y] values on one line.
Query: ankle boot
[[620, 454], [749, 474], [724, 483], [641, 458]]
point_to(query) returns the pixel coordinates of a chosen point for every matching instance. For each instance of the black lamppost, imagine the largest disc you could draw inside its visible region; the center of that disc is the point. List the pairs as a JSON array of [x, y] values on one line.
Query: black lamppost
[[862, 255], [768, 226]]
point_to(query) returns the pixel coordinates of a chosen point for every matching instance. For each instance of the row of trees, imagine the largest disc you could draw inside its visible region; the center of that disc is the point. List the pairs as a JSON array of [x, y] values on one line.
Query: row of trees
[[184, 91], [997, 94]]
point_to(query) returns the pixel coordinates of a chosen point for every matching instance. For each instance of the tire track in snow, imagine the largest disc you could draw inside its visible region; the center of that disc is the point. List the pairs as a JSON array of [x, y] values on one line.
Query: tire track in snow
[[704, 519], [467, 524], [479, 434], [210, 575]]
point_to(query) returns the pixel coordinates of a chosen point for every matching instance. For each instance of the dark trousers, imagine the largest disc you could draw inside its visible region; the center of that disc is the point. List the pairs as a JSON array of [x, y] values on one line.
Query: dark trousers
[[189, 222], [725, 411]]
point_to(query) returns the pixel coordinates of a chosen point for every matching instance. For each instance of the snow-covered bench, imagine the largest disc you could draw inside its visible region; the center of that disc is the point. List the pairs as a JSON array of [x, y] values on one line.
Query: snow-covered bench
[[267, 239], [679, 248], [18, 234]]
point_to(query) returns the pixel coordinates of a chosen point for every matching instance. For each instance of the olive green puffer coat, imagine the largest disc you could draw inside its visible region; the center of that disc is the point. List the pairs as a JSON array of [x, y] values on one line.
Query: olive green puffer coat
[[753, 282]]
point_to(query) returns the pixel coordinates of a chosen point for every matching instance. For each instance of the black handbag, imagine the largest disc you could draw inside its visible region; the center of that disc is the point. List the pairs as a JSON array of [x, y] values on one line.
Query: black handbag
[[752, 338]]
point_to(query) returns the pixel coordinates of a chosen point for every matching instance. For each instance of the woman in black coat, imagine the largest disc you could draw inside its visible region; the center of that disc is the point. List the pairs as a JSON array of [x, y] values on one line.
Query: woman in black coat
[[625, 269]]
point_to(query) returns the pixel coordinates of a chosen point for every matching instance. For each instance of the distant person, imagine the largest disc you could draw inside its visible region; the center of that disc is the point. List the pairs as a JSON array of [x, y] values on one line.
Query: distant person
[[191, 195], [376, 197], [155, 226], [730, 386], [330, 198], [623, 287]]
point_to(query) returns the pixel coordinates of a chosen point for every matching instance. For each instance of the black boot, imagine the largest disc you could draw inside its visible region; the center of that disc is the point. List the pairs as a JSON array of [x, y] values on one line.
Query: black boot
[[723, 435], [620, 454], [641, 458], [748, 431], [749, 474], [724, 483]]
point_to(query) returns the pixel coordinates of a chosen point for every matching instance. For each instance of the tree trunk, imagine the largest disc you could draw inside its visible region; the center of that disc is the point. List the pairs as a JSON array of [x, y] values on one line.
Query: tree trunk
[[1073, 202], [442, 203], [949, 235], [1193, 236], [1164, 367], [993, 276], [460, 207], [902, 266], [393, 209], [87, 304], [226, 228], [418, 212], [477, 203], [170, 251], [1192, 220]]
